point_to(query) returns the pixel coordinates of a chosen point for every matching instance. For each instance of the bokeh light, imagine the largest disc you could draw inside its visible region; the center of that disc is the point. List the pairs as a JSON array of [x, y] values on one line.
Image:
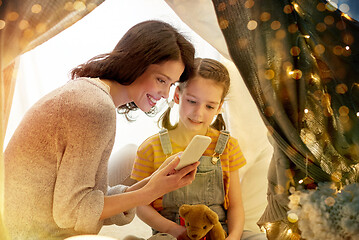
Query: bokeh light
[[252, 25], [36, 8], [2, 24]]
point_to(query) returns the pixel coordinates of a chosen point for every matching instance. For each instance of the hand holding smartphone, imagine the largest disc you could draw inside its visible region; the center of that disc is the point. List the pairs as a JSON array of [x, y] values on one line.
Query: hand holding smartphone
[[194, 151]]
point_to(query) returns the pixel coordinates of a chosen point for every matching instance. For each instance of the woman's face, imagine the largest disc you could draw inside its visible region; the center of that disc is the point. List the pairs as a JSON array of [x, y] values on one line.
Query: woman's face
[[199, 102], [155, 83]]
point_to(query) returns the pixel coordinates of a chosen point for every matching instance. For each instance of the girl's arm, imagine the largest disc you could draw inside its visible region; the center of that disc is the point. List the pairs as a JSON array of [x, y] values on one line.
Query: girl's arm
[[154, 219], [235, 213], [144, 192]]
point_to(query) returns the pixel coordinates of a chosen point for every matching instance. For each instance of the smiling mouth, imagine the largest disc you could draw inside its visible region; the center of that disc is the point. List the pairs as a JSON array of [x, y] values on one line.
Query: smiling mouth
[[152, 100], [195, 121]]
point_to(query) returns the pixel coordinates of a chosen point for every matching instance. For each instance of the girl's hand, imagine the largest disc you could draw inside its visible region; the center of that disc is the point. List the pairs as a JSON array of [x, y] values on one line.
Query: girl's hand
[[232, 238], [179, 232]]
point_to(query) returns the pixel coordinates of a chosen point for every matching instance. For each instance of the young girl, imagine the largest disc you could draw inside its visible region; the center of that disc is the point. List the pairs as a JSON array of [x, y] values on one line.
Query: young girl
[[217, 181]]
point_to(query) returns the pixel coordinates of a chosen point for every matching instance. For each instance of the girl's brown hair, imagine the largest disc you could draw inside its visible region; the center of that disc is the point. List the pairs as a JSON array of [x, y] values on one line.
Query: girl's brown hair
[[208, 69], [146, 43]]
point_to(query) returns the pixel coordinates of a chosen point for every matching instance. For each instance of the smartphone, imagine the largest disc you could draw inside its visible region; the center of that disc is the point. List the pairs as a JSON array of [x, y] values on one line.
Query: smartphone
[[194, 151]]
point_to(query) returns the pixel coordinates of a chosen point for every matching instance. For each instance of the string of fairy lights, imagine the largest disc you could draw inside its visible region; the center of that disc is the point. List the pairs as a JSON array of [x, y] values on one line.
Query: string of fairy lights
[[291, 230]]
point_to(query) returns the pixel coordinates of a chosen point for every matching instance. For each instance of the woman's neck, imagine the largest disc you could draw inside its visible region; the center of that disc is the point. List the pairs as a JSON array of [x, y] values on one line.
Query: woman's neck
[[118, 92]]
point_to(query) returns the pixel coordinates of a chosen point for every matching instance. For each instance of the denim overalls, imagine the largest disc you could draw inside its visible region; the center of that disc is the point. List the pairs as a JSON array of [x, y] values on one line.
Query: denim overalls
[[207, 188]]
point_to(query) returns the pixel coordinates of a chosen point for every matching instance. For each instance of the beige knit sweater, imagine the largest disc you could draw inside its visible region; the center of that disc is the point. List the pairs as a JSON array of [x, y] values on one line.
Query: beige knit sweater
[[56, 164]]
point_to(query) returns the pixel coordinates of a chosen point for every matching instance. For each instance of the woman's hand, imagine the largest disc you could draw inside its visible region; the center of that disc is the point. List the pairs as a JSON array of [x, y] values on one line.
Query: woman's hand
[[168, 160], [167, 179]]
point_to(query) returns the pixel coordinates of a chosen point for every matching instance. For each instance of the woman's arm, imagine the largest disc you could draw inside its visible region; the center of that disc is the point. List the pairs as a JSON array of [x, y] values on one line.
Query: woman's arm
[[144, 192], [154, 219], [235, 214], [83, 140]]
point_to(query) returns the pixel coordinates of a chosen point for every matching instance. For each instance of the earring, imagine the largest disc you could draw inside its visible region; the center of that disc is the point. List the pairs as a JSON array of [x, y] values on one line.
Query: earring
[[171, 103], [222, 110]]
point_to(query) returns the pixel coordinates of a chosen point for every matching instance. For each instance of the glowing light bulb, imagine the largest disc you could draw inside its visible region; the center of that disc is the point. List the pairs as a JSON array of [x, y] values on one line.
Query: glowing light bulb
[[296, 6], [347, 16], [306, 110], [292, 217], [347, 47]]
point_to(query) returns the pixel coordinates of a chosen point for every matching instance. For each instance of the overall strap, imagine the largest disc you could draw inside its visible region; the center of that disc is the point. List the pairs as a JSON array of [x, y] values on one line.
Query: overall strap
[[220, 146], [165, 142], [222, 142]]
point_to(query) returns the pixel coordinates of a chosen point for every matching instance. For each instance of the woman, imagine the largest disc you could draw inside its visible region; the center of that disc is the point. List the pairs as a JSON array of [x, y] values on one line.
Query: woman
[[56, 162]]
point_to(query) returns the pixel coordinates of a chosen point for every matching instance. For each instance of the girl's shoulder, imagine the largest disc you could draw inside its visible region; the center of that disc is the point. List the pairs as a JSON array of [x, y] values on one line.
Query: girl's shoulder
[[214, 134], [151, 141]]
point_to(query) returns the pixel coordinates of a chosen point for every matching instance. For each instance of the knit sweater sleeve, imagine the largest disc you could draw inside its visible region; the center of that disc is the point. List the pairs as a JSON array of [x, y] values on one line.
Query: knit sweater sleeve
[[85, 136], [125, 217]]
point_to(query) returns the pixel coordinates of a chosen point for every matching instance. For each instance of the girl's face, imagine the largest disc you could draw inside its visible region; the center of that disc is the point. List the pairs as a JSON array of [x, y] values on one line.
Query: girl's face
[[199, 102], [155, 83]]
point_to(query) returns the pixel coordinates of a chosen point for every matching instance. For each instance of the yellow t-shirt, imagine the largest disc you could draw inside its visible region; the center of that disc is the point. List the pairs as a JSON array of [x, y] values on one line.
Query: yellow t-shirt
[[150, 157]]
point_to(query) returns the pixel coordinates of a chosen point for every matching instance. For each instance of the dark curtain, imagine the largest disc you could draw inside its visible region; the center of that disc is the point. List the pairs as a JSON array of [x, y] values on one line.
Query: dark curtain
[[299, 60]]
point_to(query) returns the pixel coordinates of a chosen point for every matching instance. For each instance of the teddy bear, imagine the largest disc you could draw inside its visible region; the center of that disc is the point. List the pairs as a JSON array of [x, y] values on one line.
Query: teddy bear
[[200, 220]]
